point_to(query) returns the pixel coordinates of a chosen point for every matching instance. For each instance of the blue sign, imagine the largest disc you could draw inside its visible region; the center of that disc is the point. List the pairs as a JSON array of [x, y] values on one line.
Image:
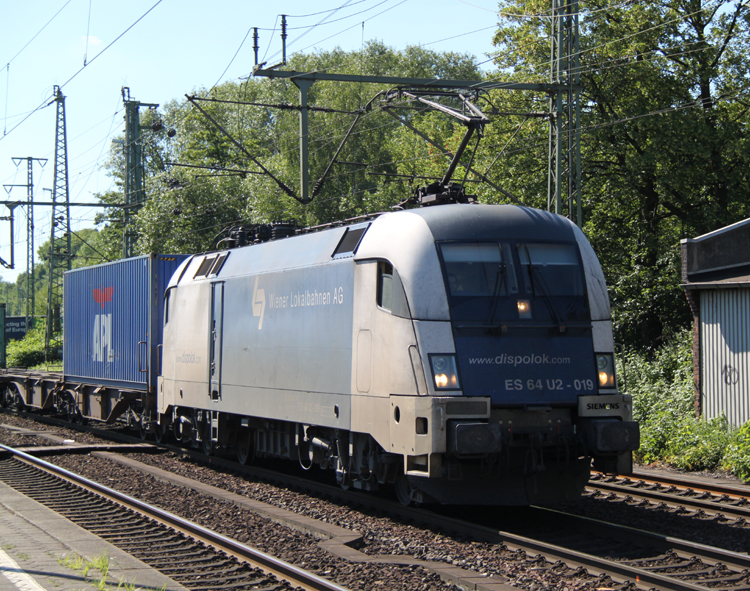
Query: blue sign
[[527, 370], [15, 328]]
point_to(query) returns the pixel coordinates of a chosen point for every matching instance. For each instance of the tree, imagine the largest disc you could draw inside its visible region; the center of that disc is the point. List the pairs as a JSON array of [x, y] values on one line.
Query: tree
[[664, 149], [189, 209]]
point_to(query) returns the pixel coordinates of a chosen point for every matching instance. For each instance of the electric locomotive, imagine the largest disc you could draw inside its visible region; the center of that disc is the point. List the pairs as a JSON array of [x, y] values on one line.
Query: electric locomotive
[[462, 353]]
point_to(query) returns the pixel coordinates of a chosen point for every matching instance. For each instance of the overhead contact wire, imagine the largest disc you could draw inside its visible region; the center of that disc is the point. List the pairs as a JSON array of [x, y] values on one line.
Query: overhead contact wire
[[47, 102]]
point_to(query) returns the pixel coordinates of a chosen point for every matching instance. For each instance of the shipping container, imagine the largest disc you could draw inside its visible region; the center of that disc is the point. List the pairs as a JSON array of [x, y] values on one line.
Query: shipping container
[[113, 318]]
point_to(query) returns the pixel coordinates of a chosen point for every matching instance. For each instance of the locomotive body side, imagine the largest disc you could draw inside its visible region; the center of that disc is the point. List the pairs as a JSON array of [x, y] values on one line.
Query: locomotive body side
[[267, 336]]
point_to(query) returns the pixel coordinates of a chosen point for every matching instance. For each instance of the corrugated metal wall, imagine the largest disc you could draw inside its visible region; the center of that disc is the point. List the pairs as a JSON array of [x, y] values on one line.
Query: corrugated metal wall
[[725, 354]]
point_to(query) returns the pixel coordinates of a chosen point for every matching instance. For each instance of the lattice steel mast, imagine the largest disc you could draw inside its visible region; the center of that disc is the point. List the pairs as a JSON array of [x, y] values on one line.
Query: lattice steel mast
[[60, 247], [564, 174], [30, 300]]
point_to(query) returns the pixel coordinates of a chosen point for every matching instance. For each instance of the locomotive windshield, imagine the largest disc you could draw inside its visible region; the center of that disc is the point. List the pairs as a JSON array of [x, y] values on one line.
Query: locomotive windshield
[[507, 283]]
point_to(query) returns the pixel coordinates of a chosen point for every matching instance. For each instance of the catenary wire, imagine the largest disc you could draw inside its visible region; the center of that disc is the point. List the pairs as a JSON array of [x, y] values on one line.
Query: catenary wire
[[46, 102], [10, 61]]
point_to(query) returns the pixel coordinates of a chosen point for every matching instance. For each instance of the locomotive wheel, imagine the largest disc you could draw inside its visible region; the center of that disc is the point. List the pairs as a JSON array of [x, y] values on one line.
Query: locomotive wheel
[[403, 490], [245, 451], [177, 429]]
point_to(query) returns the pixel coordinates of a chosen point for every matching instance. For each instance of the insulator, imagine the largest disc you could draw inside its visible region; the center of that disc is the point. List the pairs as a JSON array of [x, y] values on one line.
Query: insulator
[[282, 230], [317, 187]]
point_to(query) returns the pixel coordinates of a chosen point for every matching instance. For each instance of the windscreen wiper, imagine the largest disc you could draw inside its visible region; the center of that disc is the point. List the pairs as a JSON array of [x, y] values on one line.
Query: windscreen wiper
[[544, 290], [499, 282]]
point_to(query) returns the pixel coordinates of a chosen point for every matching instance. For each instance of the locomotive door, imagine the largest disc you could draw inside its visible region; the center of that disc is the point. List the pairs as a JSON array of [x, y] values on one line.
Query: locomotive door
[[216, 338]]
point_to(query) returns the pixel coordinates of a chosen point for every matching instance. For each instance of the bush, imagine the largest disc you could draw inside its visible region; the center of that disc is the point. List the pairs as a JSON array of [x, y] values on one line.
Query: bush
[[698, 444], [27, 352], [663, 404], [662, 390], [737, 455]]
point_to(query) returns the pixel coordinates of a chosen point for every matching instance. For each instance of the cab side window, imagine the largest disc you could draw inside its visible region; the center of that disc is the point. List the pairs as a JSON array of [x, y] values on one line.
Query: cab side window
[[166, 307], [385, 286], [390, 291]]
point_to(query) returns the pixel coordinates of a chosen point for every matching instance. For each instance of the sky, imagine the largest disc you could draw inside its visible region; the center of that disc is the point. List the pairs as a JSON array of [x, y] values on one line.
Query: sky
[[161, 50]]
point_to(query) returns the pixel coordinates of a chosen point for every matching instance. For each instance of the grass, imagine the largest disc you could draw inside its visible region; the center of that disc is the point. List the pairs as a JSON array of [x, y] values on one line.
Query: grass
[[96, 571]]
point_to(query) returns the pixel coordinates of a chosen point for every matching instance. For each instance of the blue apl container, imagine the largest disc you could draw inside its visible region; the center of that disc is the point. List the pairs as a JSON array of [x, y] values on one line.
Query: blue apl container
[[113, 318]]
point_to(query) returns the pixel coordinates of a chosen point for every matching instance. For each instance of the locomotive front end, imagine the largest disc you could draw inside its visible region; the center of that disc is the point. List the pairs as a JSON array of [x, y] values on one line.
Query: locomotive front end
[[517, 351]]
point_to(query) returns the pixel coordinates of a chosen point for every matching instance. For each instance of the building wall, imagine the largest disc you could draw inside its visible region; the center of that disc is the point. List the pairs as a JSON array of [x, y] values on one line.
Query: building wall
[[724, 359]]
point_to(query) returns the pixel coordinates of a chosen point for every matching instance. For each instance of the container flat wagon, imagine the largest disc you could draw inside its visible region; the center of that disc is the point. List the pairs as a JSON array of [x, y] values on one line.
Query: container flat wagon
[[112, 320]]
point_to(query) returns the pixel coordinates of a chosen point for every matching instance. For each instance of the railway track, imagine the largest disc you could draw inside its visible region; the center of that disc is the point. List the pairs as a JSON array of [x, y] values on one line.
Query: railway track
[[626, 554], [555, 542], [197, 558], [690, 498]]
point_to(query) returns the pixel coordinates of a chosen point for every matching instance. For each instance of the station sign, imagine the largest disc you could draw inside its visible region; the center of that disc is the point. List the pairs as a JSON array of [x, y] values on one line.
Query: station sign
[[15, 328]]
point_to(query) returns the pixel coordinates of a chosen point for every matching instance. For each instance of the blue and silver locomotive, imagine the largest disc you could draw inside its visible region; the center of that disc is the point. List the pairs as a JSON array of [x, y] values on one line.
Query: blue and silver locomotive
[[463, 353]]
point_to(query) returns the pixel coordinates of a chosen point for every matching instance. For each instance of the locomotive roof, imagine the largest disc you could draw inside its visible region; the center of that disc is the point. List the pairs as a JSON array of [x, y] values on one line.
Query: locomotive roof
[[494, 222], [407, 239]]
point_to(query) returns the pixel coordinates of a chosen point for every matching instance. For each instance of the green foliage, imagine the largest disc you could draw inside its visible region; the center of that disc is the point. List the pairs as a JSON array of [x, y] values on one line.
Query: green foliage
[[698, 444], [737, 454], [29, 351], [662, 390], [663, 404], [10, 295], [664, 146], [101, 563]]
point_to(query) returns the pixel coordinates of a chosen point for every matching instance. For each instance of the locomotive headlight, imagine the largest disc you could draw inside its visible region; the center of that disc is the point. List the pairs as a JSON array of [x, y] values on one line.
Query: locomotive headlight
[[605, 366], [444, 372], [524, 309]]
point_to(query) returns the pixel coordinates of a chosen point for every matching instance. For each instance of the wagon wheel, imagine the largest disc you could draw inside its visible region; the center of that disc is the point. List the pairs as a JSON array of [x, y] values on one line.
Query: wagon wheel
[[71, 408], [245, 448], [12, 398], [161, 434]]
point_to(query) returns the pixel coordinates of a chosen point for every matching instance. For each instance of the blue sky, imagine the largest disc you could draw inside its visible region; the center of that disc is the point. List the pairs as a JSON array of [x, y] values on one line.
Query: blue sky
[[175, 47]]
